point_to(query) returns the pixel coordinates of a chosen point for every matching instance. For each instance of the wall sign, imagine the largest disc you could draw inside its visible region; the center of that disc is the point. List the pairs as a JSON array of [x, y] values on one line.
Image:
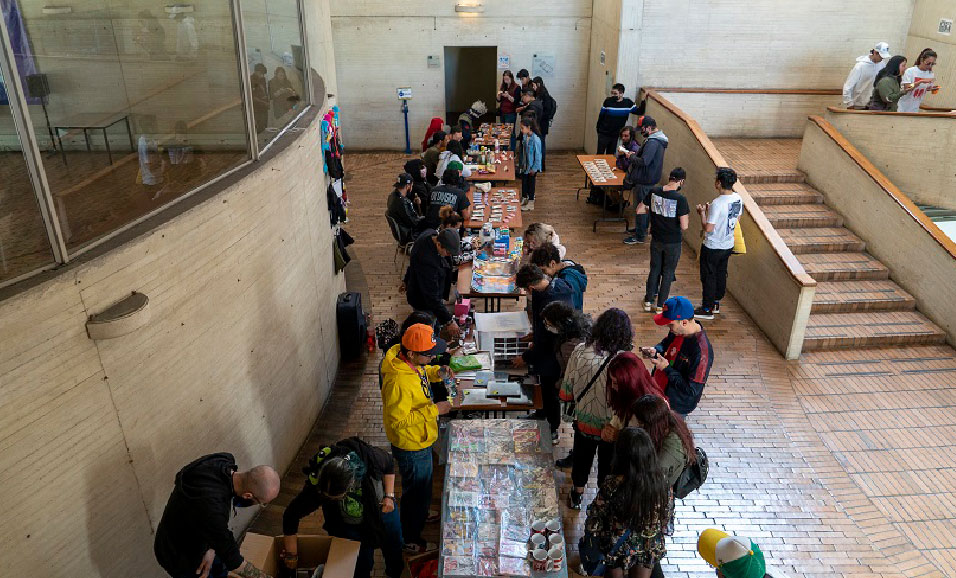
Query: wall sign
[[542, 66], [945, 26], [405, 93], [434, 62], [504, 62]]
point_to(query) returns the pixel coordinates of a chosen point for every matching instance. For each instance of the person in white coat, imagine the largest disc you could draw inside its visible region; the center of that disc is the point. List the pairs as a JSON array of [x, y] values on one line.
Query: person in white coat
[[859, 84]]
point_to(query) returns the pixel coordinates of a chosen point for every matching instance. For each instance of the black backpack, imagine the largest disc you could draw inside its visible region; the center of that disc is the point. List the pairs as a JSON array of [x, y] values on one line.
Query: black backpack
[[693, 476]]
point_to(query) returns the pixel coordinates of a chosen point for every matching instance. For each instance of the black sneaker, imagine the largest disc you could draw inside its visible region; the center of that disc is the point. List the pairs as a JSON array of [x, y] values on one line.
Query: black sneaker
[[565, 462], [701, 313], [537, 414], [574, 500], [716, 307], [634, 240]]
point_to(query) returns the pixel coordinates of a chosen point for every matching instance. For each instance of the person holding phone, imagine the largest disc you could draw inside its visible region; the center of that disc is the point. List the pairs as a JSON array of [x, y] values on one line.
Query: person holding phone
[[917, 81]]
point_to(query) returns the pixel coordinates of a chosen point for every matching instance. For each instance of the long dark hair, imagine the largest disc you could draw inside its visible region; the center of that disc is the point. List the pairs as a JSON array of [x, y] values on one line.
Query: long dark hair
[[924, 54], [455, 148], [571, 323], [633, 382], [660, 421], [642, 498], [612, 332], [892, 68], [540, 90], [510, 87]]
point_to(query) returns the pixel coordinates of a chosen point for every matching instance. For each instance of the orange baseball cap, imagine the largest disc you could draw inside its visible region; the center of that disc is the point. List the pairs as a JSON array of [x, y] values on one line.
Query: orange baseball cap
[[420, 338]]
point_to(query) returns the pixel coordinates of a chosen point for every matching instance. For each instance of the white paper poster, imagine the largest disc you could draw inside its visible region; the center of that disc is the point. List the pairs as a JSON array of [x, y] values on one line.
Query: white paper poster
[[542, 66], [504, 62]]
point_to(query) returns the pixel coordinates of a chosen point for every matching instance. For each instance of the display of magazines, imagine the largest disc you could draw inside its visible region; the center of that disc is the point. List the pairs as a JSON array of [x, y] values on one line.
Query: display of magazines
[[495, 266], [499, 482]]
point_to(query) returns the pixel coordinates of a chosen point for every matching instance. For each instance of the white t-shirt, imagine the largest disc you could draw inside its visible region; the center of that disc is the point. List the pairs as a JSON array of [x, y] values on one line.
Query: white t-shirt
[[910, 102], [724, 212]]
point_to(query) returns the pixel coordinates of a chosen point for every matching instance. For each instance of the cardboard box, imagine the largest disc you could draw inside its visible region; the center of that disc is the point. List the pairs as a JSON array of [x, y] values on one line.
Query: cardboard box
[[338, 555]]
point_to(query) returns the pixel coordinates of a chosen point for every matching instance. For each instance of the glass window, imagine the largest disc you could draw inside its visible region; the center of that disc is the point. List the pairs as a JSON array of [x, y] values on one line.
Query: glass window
[[24, 244], [134, 103], [276, 63]]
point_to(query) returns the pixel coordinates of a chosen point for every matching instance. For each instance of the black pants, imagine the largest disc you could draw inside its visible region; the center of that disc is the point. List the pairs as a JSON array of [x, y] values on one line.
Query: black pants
[[607, 144], [544, 151], [584, 449], [664, 258], [550, 401], [713, 274], [527, 185], [642, 221]]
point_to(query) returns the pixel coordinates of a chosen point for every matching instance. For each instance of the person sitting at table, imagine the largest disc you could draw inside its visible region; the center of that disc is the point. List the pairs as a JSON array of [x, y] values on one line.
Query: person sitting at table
[[541, 355], [467, 120], [431, 155], [453, 152], [447, 194], [549, 259], [435, 126], [538, 234], [401, 209], [427, 272], [421, 190]]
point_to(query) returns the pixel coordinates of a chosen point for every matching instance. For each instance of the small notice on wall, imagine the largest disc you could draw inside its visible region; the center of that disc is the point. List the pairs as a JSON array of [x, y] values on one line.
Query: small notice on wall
[[543, 65], [945, 26], [504, 62]]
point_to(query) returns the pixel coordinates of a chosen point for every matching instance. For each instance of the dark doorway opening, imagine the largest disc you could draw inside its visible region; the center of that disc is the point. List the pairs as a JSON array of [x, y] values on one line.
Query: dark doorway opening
[[470, 74]]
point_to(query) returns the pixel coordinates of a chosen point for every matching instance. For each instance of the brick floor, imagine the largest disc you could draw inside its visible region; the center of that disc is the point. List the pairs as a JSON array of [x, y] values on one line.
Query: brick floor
[[827, 462]]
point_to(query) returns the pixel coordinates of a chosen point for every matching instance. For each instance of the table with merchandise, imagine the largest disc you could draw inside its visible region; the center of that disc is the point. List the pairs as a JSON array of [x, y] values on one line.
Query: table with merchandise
[[500, 514]]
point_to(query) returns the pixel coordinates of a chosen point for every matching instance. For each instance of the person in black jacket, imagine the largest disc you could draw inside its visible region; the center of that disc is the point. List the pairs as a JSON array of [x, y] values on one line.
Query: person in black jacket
[[549, 108], [427, 270], [420, 187], [644, 173], [542, 355], [612, 118], [354, 484], [193, 537], [402, 209], [530, 107]]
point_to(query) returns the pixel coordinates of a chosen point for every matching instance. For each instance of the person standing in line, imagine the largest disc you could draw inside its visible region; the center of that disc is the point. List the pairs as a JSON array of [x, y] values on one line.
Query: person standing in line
[[628, 382], [529, 163], [918, 80], [670, 217], [683, 359], [549, 259], [887, 88], [193, 536], [509, 94], [410, 417], [570, 326], [644, 173], [719, 219], [612, 118], [538, 234], [859, 84], [524, 78], [549, 109]]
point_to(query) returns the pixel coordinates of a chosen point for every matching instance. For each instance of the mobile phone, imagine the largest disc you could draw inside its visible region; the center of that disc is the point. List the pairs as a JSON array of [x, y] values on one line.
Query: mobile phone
[[649, 352]]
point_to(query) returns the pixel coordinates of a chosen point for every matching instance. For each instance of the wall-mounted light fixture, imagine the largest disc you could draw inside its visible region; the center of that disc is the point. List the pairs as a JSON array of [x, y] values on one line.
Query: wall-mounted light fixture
[[179, 8], [469, 8], [57, 9]]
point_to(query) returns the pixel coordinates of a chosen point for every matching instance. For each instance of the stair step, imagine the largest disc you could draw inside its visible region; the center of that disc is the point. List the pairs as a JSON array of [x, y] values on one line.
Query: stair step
[[870, 329], [821, 240], [843, 266], [801, 216], [785, 194], [858, 296], [778, 176]]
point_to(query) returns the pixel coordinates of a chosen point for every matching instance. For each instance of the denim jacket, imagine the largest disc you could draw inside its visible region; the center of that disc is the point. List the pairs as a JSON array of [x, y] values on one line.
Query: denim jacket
[[530, 160]]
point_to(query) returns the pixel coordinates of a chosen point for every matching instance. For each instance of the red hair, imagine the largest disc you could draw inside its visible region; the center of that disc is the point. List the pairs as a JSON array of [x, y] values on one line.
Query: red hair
[[633, 383], [436, 125]]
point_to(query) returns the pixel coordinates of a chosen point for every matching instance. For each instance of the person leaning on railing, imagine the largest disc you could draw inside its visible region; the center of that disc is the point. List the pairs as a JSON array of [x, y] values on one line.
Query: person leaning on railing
[[886, 88]]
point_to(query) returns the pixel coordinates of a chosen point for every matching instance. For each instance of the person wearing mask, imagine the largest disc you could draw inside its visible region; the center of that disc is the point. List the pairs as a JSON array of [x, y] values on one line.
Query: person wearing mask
[[628, 381], [682, 360], [584, 384], [453, 152], [632, 508], [670, 217], [193, 536], [917, 81], [718, 220], [548, 258], [448, 193], [859, 84], [354, 484], [538, 234], [630, 147], [509, 94], [612, 118], [432, 155], [644, 172], [529, 163], [410, 417], [541, 355], [887, 88], [531, 107], [549, 107], [427, 274], [436, 125], [421, 190], [402, 209], [570, 326]]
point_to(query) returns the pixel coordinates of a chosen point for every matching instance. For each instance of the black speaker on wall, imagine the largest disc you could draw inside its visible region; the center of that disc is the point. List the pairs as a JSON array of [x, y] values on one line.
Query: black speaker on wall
[[38, 85]]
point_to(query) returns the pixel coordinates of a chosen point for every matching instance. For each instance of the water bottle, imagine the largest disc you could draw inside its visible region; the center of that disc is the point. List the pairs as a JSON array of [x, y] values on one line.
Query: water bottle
[[449, 382], [497, 148]]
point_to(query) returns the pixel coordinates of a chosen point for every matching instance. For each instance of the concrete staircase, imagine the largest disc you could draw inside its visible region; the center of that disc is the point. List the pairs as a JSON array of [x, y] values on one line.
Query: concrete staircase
[[856, 304]]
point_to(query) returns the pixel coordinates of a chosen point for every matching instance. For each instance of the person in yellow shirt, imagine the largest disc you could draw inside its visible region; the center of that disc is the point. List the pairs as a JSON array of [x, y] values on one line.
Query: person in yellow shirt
[[411, 422]]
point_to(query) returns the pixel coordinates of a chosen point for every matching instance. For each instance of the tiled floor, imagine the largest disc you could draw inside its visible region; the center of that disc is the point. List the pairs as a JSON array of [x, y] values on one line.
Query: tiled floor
[[836, 465]]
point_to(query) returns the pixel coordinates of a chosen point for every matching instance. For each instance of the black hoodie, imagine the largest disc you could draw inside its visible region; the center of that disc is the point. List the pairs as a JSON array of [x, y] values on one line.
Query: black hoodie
[[425, 277], [420, 187], [196, 517]]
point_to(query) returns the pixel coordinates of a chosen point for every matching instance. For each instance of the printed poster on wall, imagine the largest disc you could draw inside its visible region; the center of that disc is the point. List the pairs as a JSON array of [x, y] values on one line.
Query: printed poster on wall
[[504, 62], [542, 66]]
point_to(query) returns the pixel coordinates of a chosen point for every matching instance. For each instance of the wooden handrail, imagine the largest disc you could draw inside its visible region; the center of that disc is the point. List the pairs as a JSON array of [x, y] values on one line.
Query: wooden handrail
[[797, 272], [801, 91], [888, 187], [936, 108], [839, 110]]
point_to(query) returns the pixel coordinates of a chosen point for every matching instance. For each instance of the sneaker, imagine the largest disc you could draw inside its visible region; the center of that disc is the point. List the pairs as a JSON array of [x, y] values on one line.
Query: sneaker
[[524, 201], [701, 313], [716, 307], [433, 516], [529, 206], [633, 240], [648, 306], [574, 499], [565, 462], [660, 308], [554, 438], [415, 549]]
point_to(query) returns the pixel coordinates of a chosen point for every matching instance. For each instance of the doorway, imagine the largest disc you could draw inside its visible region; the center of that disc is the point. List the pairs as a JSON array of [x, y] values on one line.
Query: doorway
[[470, 74]]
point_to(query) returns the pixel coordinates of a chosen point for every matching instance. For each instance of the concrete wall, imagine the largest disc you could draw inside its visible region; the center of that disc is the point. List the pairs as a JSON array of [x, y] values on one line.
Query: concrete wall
[[924, 33], [874, 209], [768, 282], [916, 152], [751, 115], [605, 37], [380, 46]]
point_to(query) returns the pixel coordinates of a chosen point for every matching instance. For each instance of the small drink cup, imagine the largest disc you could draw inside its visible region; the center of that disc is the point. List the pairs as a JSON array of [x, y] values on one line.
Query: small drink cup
[[538, 527], [556, 540], [538, 541], [540, 560], [555, 558], [553, 527]]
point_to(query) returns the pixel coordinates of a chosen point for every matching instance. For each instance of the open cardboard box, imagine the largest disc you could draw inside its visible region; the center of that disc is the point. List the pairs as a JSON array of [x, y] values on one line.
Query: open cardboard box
[[338, 555]]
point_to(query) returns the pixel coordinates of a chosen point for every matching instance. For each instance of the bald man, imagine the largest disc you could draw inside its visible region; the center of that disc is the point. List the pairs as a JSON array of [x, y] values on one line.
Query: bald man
[[193, 539]]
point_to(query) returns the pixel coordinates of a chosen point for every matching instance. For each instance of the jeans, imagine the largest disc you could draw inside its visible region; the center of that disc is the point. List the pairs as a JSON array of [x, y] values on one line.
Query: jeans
[[217, 570], [584, 449], [606, 144], [527, 185], [713, 274], [544, 151], [391, 546], [664, 258], [415, 467], [641, 222]]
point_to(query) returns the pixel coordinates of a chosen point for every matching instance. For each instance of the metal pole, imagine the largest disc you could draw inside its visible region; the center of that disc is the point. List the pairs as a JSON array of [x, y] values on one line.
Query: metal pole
[[408, 142]]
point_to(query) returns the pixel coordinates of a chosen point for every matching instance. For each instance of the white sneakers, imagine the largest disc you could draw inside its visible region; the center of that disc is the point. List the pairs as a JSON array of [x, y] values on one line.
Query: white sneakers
[[528, 206]]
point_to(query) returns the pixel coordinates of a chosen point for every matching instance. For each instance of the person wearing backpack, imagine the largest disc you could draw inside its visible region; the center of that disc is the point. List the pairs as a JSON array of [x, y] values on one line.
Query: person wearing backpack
[[550, 107], [548, 258]]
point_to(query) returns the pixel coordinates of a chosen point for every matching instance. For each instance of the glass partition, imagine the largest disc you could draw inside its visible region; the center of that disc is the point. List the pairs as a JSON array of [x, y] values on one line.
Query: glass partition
[[24, 244]]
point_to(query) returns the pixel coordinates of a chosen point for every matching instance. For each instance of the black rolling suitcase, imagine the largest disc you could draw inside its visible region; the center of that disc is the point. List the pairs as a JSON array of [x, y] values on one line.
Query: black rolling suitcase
[[353, 329]]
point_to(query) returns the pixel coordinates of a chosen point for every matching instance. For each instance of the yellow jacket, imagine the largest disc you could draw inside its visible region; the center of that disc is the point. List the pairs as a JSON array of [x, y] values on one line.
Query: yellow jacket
[[409, 414]]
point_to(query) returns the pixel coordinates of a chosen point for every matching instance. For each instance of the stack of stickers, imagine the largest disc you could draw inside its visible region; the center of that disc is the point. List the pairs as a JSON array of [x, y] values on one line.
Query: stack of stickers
[[598, 171], [500, 207], [500, 479]]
